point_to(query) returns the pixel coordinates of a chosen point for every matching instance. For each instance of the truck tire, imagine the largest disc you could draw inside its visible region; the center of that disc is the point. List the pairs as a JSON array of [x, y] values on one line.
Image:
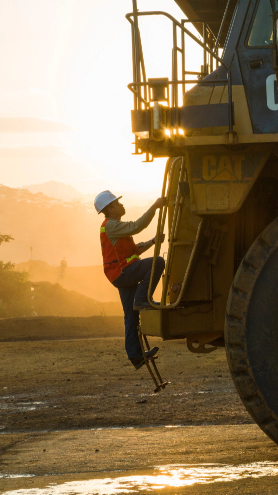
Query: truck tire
[[251, 330]]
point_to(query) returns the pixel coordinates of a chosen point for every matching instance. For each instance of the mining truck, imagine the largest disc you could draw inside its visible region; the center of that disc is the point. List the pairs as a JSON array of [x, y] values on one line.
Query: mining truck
[[218, 130]]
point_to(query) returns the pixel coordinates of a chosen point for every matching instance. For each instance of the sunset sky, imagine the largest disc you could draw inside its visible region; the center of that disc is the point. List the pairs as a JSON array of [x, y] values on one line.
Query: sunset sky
[[69, 61]]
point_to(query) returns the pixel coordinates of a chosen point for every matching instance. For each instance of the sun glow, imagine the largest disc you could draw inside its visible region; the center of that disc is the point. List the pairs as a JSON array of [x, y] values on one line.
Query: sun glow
[[73, 67]]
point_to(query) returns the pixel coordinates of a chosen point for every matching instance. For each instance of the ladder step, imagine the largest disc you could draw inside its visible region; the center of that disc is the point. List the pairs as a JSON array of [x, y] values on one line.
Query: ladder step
[[151, 365]]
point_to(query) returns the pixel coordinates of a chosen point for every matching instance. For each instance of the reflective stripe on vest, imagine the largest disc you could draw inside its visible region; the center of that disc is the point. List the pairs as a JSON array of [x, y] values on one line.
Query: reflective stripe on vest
[[132, 258]]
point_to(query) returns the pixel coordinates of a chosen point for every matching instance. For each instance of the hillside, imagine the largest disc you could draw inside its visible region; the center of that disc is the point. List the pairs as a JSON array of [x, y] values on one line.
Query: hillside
[[54, 228], [87, 280], [53, 300], [68, 192], [57, 190]]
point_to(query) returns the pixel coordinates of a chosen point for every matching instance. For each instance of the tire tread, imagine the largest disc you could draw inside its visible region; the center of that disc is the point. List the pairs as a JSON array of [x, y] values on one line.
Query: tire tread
[[237, 306]]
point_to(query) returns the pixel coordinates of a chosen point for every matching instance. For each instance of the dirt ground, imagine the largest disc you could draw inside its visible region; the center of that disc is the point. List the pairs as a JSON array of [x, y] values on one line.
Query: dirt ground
[[193, 460], [64, 400], [64, 384]]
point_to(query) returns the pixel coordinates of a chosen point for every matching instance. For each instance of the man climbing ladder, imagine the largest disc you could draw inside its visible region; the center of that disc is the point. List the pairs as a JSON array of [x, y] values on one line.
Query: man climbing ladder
[[124, 268]]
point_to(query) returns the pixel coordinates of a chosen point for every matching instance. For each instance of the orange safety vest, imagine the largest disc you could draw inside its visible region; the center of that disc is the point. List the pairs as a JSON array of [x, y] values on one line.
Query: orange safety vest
[[116, 258]]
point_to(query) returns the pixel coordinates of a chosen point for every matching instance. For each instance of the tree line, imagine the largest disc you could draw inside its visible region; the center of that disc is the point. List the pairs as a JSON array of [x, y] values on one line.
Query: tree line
[[15, 289]]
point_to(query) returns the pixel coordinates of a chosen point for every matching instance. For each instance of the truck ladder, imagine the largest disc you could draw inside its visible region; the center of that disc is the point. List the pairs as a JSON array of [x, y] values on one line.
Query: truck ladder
[[159, 383], [172, 244]]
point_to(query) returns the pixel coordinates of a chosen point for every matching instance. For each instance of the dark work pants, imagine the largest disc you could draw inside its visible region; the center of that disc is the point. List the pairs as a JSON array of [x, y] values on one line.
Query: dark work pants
[[133, 285]]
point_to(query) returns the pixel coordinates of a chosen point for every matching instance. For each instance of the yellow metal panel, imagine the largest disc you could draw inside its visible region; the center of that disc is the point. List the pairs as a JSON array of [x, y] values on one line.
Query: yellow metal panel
[[198, 95], [217, 95], [220, 179], [218, 197], [187, 322], [151, 323], [242, 116], [204, 95], [177, 323]]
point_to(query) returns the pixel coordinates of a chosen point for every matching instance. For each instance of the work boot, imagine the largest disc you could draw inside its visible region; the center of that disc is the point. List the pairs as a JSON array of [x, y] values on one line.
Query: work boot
[[138, 362]]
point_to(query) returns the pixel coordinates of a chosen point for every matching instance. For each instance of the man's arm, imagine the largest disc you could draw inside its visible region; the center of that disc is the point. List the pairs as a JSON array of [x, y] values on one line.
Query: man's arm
[[144, 246], [117, 228]]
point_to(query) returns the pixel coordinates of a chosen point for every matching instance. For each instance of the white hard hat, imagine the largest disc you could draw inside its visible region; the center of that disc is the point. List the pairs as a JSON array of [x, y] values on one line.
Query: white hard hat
[[103, 199]]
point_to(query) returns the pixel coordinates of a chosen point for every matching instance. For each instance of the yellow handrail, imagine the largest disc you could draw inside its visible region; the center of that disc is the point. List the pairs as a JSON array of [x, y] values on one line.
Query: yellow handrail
[[175, 221], [161, 220], [160, 228]]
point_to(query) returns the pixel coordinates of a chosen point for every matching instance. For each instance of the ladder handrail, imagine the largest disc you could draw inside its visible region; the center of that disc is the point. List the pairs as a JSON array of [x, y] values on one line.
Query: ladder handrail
[[174, 225], [160, 228]]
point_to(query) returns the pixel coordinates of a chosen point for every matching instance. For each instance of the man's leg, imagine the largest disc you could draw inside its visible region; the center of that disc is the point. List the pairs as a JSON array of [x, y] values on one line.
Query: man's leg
[[139, 272], [127, 284], [144, 273], [132, 344]]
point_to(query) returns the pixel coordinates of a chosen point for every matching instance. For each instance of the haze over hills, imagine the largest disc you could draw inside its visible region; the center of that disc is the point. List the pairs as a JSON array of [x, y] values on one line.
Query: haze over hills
[[55, 228], [59, 190], [87, 280], [53, 300], [68, 192], [47, 230]]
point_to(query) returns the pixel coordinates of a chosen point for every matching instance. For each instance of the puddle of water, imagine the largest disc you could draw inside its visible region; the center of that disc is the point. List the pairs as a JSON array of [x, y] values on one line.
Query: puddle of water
[[23, 406], [176, 476], [113, 428], [12, 476], [132, 427]]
